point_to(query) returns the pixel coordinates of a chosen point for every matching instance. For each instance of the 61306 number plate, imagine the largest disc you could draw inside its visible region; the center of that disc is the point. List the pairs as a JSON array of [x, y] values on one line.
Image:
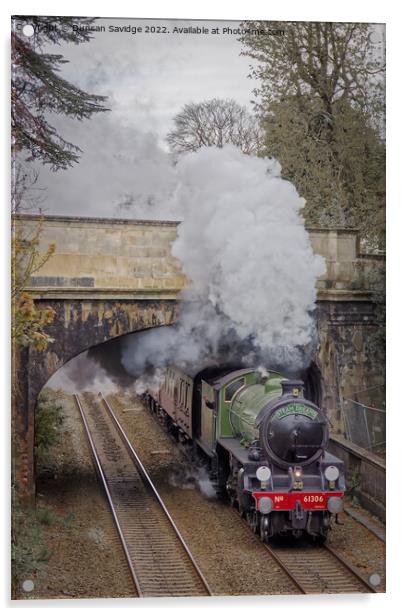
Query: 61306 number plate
[[286, 501]]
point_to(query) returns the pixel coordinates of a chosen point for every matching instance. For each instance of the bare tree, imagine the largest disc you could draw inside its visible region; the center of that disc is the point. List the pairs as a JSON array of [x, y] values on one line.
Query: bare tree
[[214, 122]]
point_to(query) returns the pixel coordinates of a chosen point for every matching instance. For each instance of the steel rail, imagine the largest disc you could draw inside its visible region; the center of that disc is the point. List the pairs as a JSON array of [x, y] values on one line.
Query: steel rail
[[275, 554], [285, 568], [102, 477], [275, 557], [150, 483], [159, 560], [350, 567], [334, 577]]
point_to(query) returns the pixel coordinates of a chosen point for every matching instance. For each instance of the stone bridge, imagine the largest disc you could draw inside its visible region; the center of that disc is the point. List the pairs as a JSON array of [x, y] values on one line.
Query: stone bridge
[[109, 277]]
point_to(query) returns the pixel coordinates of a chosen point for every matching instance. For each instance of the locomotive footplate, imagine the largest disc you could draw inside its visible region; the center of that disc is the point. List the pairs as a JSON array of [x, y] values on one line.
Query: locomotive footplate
[[292, 501]]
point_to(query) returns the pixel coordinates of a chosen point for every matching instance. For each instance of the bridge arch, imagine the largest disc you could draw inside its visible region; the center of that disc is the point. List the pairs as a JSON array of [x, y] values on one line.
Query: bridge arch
[[79, 325], [111, 277]]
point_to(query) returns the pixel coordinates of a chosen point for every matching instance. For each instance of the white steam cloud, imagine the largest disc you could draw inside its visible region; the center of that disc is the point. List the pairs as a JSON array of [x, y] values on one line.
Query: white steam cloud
[[244, 247]]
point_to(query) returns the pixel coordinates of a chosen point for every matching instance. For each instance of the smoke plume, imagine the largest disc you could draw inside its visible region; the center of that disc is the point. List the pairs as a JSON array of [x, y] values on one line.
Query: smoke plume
[[243, 245]]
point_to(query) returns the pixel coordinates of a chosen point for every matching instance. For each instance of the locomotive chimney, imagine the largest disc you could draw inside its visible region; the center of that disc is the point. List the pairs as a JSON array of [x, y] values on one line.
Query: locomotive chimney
[[292, 387]]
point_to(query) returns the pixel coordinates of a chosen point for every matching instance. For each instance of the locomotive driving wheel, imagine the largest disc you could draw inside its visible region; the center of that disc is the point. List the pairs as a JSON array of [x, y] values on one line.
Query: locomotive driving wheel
[[264, 528], [252, 520], [231, 488]]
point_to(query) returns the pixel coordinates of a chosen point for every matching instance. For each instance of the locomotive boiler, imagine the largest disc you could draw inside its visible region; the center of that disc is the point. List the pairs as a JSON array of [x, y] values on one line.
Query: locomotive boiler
[[265, 443]]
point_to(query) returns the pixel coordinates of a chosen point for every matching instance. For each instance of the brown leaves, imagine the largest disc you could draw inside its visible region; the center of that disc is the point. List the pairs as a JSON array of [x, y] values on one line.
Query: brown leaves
[[29, 321]]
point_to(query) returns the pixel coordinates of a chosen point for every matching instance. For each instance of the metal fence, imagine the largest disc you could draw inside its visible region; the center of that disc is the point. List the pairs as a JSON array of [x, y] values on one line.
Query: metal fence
[[365, 424]]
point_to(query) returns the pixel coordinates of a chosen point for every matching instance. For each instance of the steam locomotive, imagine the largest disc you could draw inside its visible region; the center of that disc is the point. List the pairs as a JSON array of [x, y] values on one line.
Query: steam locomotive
[[265, 444]]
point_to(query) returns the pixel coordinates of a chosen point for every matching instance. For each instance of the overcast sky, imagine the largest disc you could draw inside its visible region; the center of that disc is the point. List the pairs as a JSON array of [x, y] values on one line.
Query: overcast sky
[[147, 78]]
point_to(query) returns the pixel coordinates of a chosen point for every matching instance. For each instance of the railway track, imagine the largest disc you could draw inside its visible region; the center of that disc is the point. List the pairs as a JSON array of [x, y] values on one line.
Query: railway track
[[319, 569], [159, 560], [314, 569]]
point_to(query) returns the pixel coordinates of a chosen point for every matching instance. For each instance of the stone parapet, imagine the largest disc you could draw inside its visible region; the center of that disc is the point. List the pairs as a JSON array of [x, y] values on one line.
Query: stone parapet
[[102, 257], [105, 259]]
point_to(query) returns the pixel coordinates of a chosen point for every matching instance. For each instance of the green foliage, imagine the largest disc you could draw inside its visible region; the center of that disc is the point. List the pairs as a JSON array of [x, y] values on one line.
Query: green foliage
[[37, 90], [321, 61], [67, 521], [321, 101], [376, 340], [47, 517], [48, 421], [337, 163], [28, 552], [353, 485]]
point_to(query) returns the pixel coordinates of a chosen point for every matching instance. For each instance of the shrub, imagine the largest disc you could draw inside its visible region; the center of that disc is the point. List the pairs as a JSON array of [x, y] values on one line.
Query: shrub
[[48, 422]]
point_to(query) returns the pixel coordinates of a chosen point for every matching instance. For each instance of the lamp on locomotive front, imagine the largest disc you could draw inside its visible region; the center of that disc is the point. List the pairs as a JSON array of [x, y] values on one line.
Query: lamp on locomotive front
[[263, 474]]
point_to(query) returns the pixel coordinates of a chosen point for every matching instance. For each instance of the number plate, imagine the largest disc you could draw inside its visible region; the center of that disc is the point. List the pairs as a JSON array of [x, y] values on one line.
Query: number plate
[[286, 501]]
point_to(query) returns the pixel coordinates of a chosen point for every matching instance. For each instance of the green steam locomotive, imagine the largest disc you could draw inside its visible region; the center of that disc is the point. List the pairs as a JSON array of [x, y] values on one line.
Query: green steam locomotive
[[265, 443]]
